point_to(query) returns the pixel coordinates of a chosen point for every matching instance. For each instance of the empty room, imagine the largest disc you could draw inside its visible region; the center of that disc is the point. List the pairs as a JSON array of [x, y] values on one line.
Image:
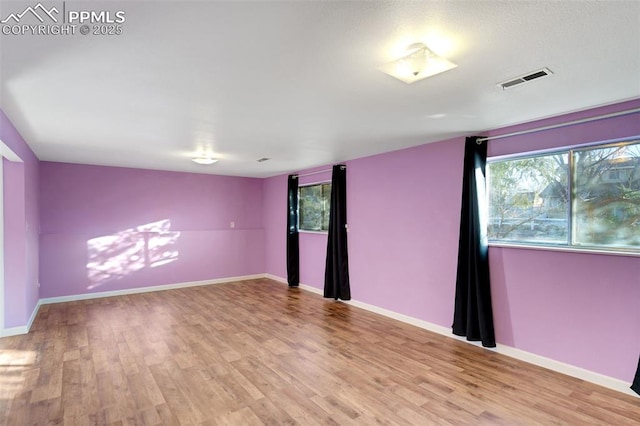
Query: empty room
[[319, 212]]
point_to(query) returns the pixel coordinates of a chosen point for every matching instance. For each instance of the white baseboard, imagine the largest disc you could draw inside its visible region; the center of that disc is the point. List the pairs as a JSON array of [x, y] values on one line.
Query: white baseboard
[[276, 278], [301, 286], [86, 296], [23, 329], [568, 369], [548, 363], [14, 331]]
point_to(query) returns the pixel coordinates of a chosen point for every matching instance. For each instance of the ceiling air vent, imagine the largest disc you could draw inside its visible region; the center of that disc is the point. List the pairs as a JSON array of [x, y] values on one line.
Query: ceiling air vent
[[544, 72]]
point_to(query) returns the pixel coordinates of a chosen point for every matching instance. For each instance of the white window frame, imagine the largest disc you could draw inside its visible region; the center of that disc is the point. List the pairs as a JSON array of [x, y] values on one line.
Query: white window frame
[[310, 231], [569, 246]]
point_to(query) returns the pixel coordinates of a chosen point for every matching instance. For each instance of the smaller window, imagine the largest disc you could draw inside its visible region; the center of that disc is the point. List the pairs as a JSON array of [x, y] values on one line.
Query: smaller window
[[314, 203]]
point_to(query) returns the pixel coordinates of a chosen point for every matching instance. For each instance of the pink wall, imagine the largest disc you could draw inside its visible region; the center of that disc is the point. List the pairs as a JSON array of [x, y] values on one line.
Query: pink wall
[[108, 228], [274, 192], [387, 209], [404, 209], [314, 245], [581, 309], [20, 184]]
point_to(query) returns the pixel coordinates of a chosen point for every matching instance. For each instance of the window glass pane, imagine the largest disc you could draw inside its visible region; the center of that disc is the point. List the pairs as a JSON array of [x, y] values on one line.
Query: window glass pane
[[326, 205], [607, 196], [528, 199], [314, 207]]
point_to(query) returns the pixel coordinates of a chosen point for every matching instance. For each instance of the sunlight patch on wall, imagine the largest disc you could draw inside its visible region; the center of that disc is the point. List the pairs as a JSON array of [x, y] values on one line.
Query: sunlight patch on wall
[[112, 257]]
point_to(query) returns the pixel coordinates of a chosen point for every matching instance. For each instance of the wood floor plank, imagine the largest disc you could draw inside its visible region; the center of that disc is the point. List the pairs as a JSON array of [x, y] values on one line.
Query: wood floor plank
[[258, 353], [270, 413]]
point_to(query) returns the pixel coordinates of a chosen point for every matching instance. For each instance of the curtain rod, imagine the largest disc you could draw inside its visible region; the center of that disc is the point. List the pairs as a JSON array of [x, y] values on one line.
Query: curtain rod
[[559, 125], [317, 172]]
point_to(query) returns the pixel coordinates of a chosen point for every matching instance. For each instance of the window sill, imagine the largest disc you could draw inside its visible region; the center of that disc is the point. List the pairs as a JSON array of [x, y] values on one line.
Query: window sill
[[613, 252], [300, 231]]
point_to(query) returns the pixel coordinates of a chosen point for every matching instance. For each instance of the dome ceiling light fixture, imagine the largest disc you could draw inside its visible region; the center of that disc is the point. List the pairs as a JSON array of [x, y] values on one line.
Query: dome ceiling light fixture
[[205, 161], [418, 63], [204, 155]]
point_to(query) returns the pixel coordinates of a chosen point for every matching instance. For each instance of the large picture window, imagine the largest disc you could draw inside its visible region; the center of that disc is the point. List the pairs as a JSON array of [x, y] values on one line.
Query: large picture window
[[314, 204], [587, 197]]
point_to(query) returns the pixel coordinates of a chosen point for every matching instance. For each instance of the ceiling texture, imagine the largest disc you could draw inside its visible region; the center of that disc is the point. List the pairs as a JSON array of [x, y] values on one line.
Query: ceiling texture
[[298, 81]]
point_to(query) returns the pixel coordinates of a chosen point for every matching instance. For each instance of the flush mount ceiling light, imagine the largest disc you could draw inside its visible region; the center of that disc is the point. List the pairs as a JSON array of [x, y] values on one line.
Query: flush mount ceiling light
[[204, 160], [418, 63]]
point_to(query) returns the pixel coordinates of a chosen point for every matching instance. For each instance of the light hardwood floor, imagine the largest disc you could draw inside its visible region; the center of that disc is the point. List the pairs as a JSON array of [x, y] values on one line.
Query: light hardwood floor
[[256, 352]]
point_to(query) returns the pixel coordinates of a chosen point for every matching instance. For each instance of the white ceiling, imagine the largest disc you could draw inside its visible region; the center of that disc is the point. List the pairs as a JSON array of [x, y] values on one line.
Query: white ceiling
[[298, 81]]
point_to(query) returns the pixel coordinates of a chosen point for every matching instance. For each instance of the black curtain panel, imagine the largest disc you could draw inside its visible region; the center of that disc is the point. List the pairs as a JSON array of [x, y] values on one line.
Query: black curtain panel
[[293, 247], [336, 274], [473, 315], [636, 382]]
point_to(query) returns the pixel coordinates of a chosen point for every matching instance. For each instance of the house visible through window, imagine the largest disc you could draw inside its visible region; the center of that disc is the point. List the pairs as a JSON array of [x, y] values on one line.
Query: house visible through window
[[314, 204], [587, 197]]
